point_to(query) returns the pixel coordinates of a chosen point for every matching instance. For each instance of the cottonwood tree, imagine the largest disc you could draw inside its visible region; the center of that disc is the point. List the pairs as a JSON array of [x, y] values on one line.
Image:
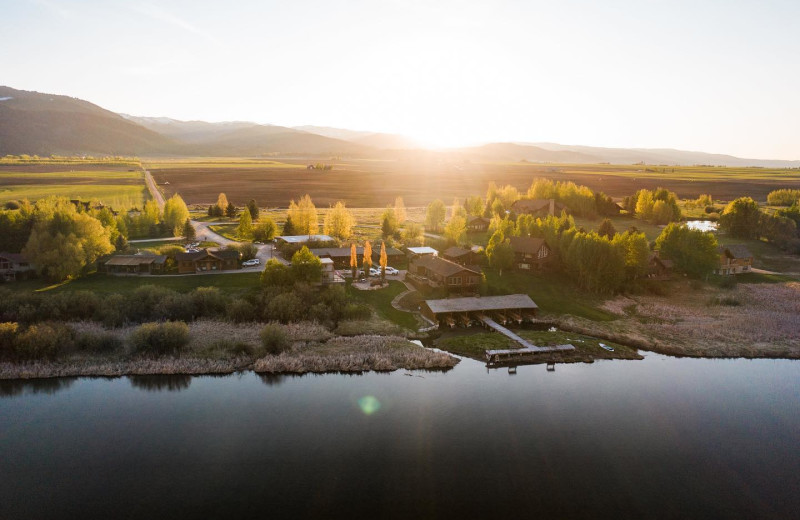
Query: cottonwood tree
[[306, 267], [339, 222], [456, 229], [304, 216], [435, 215], [694, 252], [413, 235], [245, 227], [740, 218], [175, 214], [400, 213], [221, 205], [265, 230], [63, 241]]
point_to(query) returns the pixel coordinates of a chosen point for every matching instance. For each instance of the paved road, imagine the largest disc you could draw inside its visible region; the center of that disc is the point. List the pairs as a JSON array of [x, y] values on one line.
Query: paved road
[[151, 186]]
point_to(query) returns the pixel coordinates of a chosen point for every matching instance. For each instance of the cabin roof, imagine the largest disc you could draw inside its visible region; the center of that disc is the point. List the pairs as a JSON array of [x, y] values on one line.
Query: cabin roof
[[302, 239], [482, 303], [16, 258], [455, 251], [441, 266], [136, 259], [527, 245], [424, 250], [736, 251]]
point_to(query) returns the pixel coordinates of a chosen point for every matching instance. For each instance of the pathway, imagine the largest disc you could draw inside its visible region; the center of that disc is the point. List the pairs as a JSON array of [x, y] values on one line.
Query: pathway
[[527, 347], [151, 186]]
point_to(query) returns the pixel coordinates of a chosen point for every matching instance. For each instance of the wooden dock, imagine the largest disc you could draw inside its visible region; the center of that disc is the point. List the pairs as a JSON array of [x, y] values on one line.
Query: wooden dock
[[497, 356]]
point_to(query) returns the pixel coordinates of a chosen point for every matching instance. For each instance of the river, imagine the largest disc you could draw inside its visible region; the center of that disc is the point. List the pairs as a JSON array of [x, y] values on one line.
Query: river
[[658, 438]]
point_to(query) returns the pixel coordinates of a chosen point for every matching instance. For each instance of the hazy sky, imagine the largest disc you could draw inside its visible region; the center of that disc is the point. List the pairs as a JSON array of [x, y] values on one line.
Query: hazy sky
[[718, 76]]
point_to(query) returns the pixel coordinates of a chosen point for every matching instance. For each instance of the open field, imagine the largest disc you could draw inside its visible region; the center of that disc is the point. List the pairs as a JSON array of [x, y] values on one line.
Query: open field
[[119, 186], [374, 183]]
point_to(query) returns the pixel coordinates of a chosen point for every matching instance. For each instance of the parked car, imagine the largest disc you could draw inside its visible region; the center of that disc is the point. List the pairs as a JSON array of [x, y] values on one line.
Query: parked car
[[391, 270], [374, 271], [251, 263]]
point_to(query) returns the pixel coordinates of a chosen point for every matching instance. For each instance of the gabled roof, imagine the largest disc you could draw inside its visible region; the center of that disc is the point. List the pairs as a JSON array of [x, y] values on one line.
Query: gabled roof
[[535, 205], [482, 303], [425, 250], [527, 245], [441, 266], [136, 259], [455, 252], [219, 254], [474, 218], [735, 251], [655, 259], [15, 258], [302, 239]]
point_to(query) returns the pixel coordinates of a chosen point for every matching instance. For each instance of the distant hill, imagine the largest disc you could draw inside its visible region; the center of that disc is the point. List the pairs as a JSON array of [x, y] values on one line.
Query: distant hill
[[44, 124], [666, 156], [376, 140], [236, 138], [518, 152]]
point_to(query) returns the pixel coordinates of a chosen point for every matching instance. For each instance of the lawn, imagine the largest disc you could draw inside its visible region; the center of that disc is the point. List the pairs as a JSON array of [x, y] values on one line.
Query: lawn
[[101, 283], [381, 301], [553, 293], [475, 344]]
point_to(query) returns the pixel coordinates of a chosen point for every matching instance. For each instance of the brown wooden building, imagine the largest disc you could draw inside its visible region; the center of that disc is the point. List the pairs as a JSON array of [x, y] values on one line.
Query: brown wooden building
[[466, 311], [135, 264], [659, 268], [734, 259], [477, 224], [538, 207], [14, 266], [207, 261], [530, 254], [438, 272], [341, 255]]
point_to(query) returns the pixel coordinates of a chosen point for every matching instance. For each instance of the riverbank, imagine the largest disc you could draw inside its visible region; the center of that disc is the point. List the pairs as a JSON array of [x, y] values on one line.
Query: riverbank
[[747, 321], [587, 349], [220, 347]]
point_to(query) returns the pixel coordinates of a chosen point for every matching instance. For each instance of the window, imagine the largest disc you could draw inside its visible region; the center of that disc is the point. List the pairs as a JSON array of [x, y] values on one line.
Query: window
[[543, 252], [455, 280]]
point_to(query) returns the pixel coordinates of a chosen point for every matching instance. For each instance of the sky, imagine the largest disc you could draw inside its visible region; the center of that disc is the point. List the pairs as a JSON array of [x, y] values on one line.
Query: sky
[[720, 76]]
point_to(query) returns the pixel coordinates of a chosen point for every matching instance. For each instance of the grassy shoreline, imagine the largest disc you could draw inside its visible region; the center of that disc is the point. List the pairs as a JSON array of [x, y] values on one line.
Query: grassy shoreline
[[218, 347]]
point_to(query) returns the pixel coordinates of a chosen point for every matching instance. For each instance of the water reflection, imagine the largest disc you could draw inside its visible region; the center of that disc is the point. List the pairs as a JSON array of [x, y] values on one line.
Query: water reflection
[[159, 383], [49, 386], [272, 379], [702, 225]]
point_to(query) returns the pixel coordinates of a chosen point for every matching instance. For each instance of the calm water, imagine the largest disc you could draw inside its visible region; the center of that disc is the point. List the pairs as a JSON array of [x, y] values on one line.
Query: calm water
[[663, 437], [702, 225]]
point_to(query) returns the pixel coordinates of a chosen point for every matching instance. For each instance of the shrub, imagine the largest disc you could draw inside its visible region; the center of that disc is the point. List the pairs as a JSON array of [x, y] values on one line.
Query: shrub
[[8, 333], [160, 338], [104, 342], [728, 282], [44, 341], [112, 313], [208, 301], [286, 307], [274, 339], [240, 311]]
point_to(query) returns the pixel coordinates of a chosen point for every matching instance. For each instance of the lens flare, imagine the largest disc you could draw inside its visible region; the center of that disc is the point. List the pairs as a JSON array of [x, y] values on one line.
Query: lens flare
[[369, 404]]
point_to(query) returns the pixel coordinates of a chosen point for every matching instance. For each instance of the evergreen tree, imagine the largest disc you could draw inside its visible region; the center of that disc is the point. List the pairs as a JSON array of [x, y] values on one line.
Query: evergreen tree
[[252, 207], [188, 231], [231, 210]]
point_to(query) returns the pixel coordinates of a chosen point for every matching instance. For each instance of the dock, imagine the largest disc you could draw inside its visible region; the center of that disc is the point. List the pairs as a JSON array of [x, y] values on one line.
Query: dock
[[497, 356]]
